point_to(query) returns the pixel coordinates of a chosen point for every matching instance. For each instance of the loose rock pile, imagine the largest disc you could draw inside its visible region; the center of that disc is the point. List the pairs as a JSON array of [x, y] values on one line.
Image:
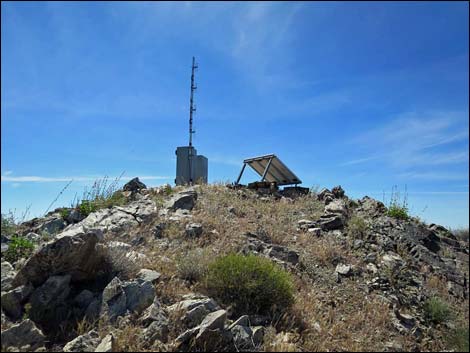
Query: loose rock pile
[[79, 274]]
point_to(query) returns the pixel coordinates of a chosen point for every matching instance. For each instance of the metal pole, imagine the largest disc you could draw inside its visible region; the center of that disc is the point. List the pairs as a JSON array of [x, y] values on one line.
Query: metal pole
[[192, 109], [266, 169], [240, 175], [191, 106]]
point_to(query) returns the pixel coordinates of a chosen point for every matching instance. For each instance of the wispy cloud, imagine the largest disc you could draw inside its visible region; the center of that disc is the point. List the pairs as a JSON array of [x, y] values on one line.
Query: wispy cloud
[[41, 179], [434, 175], [410, 140]]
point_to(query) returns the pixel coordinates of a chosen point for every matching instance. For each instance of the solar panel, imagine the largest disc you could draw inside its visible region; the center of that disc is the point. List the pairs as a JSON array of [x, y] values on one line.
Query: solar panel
[[271, 169]]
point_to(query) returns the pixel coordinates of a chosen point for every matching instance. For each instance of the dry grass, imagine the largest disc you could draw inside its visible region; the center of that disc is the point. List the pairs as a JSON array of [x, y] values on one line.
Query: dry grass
[[326, 316]]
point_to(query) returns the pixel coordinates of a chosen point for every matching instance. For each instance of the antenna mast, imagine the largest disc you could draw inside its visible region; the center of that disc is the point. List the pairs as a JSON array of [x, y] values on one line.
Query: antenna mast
[[191, 107]]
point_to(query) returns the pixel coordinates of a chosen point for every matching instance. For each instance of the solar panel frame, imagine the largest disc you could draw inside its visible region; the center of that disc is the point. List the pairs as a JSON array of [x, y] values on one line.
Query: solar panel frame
[[278, 172]]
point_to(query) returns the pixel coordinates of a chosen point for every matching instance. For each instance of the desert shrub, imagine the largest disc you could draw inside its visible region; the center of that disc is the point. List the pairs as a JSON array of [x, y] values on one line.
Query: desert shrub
[[357, 227], [18, 247], [86, 207], [101, 195], [64, 213], [193, 265], [436, 310], [398, 208], [251, 284]]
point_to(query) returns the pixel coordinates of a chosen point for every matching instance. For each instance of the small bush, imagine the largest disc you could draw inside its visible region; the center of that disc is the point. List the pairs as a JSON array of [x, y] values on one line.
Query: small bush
[[397, 208], [86, 207], [64, 213], [251, 284], [399, 212], [436, 310], [193, 265], [101, 195], [18, 248]]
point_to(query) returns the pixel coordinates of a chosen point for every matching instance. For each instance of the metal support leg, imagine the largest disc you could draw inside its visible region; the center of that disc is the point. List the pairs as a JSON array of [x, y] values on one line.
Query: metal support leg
[[266, 169], [240, 175]]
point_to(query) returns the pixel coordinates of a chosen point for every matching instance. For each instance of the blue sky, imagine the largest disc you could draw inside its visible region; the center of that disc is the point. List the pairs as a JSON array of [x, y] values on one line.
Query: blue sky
[[365, 95]]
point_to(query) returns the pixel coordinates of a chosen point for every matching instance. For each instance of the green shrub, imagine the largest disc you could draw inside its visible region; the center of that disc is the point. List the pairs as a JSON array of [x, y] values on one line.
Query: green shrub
[[86, 207], [101, 195], [399, 212], [18, 247], [436, 310], [64, 213], [397, 208], [251, 284]]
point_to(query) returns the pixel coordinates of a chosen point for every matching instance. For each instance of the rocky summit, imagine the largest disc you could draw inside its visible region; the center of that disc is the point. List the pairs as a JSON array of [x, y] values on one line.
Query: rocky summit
[[172, 269]]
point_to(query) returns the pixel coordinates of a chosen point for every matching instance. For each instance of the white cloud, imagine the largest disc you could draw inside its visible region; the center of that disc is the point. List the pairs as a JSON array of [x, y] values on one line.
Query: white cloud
[[409, 140]]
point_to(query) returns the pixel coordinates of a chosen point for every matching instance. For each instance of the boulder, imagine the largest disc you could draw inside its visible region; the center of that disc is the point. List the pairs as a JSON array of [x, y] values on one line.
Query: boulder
[[158, 230], [115, 219], [257, 336], [107, 344], [134, 185], [243, 320], [183, 200], [214, 320], [195, 316], [214, 340], [83, 299], [34, 237], [24, 333], [48, 305], [157, 330], [148, 275], [372, 207], [51, 225], [193, 230], [73, 254], [331, 222], [8, 274], [193, 300], [283, 254], [242, 338], [337, 207], [338, 192], [139, 295], [326, 196], [114, 300], [315, 231], [84, 343], [74, 216], [12, 300], [343, 270]]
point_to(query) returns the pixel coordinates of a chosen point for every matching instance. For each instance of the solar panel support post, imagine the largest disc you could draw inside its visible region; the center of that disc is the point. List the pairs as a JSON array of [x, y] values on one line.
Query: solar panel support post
[[240, 175], [266, 169]]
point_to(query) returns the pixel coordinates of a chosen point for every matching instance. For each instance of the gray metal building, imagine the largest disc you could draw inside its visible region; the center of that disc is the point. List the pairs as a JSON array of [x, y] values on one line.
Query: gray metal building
[[191, 168]]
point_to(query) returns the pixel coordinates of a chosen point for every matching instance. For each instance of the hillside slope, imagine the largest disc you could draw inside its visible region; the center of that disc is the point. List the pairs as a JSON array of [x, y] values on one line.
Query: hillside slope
[[135, 276]]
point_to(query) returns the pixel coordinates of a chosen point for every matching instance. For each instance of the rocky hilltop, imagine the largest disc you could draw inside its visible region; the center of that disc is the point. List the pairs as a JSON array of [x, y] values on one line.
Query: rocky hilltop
[[137, 275]]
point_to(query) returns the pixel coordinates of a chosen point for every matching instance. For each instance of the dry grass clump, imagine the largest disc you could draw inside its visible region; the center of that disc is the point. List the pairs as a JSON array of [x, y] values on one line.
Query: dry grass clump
[[342, 319], [236, 211], [193, 265]]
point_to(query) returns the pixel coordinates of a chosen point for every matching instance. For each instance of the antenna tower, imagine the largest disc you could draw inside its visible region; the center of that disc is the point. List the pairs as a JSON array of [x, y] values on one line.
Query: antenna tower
[[192, 109]]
